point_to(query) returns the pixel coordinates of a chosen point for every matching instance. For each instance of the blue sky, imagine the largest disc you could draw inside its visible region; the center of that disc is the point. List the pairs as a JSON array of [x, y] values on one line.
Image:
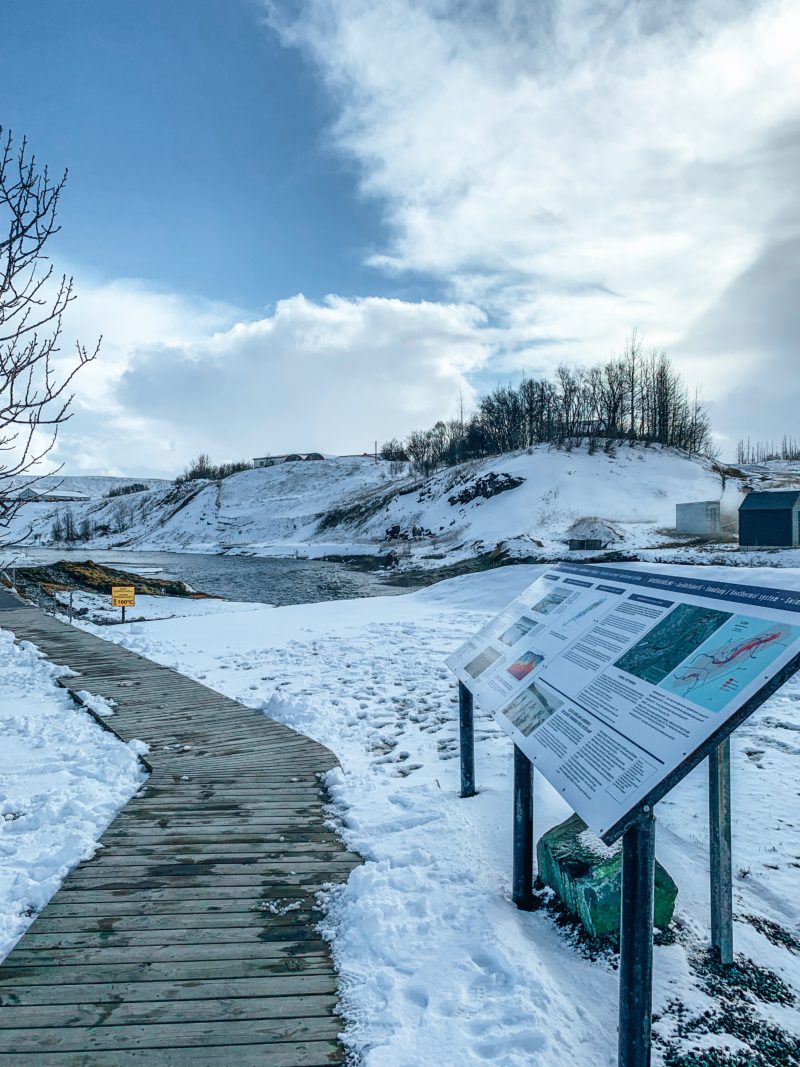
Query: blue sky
[[197, 146], [307, 224]]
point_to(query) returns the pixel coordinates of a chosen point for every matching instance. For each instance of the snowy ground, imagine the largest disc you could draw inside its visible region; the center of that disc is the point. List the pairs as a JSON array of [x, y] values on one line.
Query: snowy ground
[[62, 780], [437, 966], [96, 608]]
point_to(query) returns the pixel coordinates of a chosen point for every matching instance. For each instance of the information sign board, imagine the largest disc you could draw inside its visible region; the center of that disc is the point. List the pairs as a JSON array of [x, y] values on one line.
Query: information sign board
[[612, 680], [123, 596]]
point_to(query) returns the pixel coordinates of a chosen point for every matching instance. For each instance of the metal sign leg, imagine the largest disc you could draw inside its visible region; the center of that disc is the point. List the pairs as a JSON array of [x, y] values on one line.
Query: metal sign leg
[[467, 737], [522, 882], [636, 943], [719, 811]]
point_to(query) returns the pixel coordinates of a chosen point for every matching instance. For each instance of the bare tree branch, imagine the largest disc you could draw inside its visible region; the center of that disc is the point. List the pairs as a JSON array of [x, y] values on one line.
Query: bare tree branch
[[35, 388]]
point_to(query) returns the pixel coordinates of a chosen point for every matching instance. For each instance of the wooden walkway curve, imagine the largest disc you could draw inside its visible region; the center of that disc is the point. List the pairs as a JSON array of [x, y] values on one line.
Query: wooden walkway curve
[[190, 937]]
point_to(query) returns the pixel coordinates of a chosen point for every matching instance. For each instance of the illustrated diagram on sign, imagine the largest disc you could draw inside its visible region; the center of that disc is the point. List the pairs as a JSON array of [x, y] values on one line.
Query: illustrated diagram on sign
[[668, 644], [729, 661], [524, 664], [482, 662], [584, 611], [531, 708], [552, 601], [516, 632]]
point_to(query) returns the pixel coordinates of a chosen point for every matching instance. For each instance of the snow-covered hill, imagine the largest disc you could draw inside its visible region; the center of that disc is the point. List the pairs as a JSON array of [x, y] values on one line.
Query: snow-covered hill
[[528, 502]]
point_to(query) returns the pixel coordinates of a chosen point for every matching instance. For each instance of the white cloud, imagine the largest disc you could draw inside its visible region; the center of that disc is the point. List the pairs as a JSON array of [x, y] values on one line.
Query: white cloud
[[567, 170], [184, 377], [131, 314], [577, 168]]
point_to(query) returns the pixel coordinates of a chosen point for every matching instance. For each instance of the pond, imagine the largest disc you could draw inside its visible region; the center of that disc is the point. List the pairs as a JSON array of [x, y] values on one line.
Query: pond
[[266, 580]]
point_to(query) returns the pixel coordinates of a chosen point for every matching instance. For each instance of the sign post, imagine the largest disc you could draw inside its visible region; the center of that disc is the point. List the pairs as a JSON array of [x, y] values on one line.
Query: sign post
[[522, 880], [636, 942], [719, 811], [123, 596], [615, 684], [466, 722]]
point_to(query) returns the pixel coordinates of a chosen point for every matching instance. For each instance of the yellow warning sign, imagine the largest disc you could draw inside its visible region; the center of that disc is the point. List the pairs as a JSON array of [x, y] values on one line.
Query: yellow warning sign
[[123, 596]]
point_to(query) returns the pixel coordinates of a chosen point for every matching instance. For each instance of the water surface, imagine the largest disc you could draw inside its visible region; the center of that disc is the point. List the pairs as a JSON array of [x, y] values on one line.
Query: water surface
[[264, 580]]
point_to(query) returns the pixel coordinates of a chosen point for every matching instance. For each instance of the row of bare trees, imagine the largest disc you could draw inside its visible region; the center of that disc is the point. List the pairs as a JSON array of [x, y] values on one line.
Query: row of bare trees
[[202, 467], [66, 529], [636, 396], [762, 451], [111, 518]]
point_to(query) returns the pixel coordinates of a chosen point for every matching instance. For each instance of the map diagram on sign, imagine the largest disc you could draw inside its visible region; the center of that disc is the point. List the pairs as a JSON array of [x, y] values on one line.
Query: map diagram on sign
[[730, 660], [669, 643]]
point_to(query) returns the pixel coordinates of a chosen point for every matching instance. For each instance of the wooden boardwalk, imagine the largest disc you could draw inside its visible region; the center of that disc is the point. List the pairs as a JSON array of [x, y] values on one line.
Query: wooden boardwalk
[[190, 937]]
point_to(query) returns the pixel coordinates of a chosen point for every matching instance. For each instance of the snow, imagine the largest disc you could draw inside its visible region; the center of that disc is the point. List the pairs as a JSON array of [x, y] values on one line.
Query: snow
[[62, 780], [436, 965], [95, 607], [347, 506]]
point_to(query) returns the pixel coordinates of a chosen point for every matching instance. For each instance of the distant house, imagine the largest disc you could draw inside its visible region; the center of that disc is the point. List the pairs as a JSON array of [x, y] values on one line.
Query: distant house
[[770, 519], [591, 428], [700, 517], [48, 496], [288, 457]]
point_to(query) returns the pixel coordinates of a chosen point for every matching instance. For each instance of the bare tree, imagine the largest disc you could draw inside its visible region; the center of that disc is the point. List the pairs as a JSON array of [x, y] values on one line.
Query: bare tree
[[35, 381], [70, 529]]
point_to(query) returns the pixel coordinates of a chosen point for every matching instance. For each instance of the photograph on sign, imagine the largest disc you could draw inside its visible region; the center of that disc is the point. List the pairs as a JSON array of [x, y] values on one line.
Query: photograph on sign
[[624, 676]]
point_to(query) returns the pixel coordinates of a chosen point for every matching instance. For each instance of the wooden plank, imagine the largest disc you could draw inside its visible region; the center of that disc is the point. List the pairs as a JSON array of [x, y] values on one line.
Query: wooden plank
[[153, 836], [182, 921], [286, 1054], [106, 954], [190, 821], [173, 971], [302, 803], [158, 787], [202, 867], [296, 929], [305, 804], [167, 1035], [282, 985], [215, 852], [298, 839], [229, 886], [149, 1013], [110, 907], [183, 889]]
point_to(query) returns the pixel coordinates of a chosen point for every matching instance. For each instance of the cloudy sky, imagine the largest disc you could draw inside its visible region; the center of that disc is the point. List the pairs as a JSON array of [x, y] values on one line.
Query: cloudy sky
[[309, 224]]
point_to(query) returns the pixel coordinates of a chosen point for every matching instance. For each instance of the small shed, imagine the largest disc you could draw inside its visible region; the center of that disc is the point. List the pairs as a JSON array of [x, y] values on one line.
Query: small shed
[[700, 517], [590, 534], [770, 519]]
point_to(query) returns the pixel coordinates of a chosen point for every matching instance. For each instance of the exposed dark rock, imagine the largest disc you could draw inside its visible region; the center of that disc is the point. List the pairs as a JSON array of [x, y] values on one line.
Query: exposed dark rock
[[489, 485]]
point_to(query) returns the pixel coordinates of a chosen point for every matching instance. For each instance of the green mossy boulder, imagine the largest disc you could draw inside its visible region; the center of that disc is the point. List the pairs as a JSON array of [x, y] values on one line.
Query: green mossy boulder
[[586, 876]]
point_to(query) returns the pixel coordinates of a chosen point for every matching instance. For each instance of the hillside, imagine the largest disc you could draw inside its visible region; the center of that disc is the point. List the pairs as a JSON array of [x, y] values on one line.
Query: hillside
[[529, 503]]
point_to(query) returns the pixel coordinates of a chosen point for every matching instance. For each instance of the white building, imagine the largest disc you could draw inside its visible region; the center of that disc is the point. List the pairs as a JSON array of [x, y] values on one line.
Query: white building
[[49, 496], [288, 457]]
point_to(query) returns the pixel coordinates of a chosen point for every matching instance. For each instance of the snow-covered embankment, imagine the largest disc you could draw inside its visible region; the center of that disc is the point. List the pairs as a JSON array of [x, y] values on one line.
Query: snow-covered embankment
[[63, 778]]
